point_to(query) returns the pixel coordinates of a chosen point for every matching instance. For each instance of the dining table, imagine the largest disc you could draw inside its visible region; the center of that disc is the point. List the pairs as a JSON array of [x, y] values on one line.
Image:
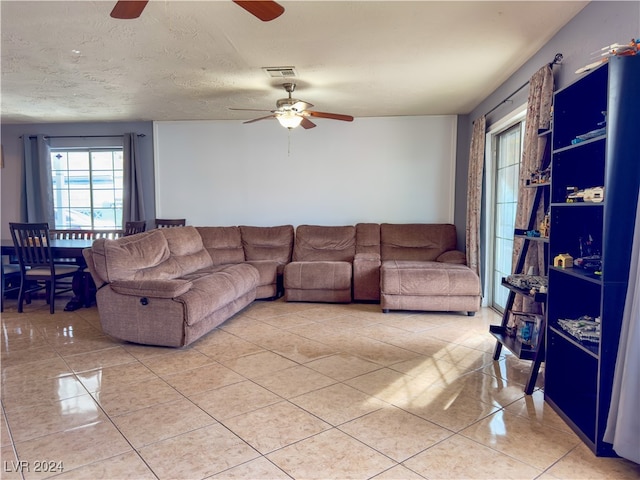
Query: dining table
[[82, 283]]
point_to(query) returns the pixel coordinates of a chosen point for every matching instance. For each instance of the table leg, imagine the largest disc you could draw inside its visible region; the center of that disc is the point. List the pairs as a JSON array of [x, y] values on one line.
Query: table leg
[[84, 291]]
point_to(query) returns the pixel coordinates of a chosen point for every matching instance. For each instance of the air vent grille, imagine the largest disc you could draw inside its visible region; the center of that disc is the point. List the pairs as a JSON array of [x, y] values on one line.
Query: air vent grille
[[280, 72]]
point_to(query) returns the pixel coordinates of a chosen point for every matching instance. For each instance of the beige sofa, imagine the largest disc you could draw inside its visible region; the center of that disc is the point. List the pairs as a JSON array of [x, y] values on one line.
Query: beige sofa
[[171, 286]]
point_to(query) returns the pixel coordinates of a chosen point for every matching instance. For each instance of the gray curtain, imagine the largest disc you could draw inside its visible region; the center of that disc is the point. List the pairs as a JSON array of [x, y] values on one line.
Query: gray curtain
[[474, 193], [36, 199], [538, 117], [133, 199], [623, 424]]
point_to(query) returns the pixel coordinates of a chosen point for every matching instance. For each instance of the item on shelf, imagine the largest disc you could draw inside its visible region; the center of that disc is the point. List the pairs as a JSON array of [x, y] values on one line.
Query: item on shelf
[[526, 233], [564, 260], [590, 195], [614, 49], [591, 262], [545, 225], [540, 177], [589, 135], [584, 328], [527, 282], [589, 255], [527, 328]]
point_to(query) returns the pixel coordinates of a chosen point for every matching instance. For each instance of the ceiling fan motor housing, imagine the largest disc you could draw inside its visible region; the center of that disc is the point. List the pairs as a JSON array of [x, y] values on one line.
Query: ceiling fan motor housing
[[286, 104]]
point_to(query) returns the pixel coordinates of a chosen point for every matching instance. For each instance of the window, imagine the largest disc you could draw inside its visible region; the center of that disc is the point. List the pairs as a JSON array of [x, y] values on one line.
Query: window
[[87, 188]]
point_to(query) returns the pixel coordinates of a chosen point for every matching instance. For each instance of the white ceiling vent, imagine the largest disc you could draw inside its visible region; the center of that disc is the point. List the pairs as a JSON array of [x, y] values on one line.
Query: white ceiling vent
[[280, 72]]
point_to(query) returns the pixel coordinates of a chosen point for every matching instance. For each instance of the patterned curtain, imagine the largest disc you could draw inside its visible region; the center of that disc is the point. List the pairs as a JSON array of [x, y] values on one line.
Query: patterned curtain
[[474, 193], [538, 117]]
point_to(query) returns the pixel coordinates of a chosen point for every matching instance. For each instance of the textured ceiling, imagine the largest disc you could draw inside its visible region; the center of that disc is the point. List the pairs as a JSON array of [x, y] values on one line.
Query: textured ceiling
[[182, 60]]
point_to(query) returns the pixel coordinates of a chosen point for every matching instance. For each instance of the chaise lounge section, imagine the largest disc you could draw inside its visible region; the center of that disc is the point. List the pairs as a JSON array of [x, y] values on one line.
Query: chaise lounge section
[[422, 270]]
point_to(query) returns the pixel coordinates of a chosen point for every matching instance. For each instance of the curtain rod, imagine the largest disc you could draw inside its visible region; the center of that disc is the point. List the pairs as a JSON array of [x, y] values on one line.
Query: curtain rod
[[31, 137], [556, 61]]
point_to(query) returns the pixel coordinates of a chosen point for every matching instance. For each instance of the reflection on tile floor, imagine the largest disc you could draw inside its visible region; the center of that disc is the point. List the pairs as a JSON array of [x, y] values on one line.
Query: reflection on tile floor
[[280, 391]]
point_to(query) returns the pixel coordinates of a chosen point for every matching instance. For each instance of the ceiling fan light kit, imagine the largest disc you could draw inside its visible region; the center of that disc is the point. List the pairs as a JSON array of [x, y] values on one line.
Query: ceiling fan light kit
[[291, 112], [289, 119]]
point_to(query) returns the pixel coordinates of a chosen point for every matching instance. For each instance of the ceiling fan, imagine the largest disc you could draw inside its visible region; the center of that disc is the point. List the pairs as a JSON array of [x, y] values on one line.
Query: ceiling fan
[[265, 10], [291, 112]]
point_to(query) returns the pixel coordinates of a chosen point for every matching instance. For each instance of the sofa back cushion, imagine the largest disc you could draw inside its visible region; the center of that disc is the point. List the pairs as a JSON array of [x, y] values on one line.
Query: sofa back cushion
[[224, 244], [324, 243], [416, 241], [157, 254], [187, 250], [121, 258], [267, 243]]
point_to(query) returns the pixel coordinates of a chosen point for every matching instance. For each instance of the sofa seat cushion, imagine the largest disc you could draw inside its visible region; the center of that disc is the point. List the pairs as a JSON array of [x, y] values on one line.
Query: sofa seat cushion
[[216, 287], [320, 275], [267, 270], [411, 277]]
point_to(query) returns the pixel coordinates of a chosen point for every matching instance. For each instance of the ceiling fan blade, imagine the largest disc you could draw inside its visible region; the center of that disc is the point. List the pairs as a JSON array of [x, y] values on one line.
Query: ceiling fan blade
[[128, 9], [306, 123], [265, 10], [260, 118], [333, 116]]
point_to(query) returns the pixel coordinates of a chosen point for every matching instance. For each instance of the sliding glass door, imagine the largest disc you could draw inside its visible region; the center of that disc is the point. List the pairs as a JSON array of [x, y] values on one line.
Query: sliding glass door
[[506, 152]]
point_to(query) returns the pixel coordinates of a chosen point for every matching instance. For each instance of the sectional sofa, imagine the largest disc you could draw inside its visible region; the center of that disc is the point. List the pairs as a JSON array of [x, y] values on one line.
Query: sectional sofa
[[171, 286]]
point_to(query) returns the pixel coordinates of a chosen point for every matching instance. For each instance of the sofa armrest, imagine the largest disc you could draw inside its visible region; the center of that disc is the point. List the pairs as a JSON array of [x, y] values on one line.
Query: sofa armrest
[[452, 256], [366, 276], [152, 288]]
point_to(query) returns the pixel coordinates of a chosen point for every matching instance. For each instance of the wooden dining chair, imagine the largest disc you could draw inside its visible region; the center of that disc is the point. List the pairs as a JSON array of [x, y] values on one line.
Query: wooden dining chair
[[38, 270], [131, 228], [168, 223]]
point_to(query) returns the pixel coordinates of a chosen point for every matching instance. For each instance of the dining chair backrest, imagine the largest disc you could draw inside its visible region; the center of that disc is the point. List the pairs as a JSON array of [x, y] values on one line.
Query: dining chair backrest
[[31, 244], [131, 228], [69, 234], [110, 234], [170, 222]]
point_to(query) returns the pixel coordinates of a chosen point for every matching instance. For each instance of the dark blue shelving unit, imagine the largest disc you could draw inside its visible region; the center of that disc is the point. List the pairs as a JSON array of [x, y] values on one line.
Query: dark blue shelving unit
[[578, 374]]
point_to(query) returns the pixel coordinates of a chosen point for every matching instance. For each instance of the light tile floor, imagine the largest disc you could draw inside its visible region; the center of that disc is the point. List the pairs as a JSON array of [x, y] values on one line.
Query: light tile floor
[[281, 390]]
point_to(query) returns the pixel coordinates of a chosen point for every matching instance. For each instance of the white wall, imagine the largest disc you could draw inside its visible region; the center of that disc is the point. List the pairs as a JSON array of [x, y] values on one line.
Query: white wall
[[393, 169]]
